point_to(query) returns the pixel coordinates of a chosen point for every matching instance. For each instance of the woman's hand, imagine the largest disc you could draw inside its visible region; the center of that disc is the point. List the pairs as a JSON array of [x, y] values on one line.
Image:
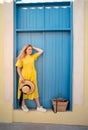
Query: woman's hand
[[22, 79]]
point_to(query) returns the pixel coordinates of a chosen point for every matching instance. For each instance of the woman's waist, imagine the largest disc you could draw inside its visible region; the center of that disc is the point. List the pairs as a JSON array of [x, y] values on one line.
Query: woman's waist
[[28, 71], [29, 75]]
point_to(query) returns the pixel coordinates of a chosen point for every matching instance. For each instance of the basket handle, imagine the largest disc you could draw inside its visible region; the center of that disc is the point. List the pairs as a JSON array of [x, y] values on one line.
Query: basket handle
[[56, 104]]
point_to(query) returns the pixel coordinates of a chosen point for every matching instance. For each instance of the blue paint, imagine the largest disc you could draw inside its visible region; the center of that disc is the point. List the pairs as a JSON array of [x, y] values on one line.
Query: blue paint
[[48, 26]]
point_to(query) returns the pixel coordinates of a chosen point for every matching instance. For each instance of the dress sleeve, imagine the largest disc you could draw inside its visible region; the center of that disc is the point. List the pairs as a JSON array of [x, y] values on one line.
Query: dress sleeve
[[35, 56], [19, 63]]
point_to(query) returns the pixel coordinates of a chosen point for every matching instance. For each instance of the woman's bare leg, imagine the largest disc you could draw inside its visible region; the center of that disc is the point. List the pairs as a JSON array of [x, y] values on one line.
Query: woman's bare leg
[[24, 108], [39, 108], [23, 102], [37, 102]]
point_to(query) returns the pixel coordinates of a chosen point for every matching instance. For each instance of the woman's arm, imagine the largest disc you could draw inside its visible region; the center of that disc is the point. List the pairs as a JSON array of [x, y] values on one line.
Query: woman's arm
[[40, 51], [20, 74]]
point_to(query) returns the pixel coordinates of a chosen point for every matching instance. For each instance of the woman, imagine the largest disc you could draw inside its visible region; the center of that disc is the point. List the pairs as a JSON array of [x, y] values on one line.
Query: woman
[[26, 71]]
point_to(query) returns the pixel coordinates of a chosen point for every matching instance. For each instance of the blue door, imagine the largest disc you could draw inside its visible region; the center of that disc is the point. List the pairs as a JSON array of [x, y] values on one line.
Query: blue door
[[47, 26]]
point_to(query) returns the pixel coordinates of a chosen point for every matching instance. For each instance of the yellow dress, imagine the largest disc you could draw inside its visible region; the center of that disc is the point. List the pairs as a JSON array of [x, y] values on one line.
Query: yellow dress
[[29, 73]]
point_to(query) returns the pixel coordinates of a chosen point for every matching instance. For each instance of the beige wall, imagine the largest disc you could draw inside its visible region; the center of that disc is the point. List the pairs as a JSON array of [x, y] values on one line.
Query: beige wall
[[5, 107], [86, 56], [79, 115], [1, 52], [78, 51], [1, 58], [8, 52]]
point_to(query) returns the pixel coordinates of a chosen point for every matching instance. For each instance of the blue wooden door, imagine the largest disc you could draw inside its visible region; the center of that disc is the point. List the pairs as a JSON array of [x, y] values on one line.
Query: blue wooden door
[[47, 26]]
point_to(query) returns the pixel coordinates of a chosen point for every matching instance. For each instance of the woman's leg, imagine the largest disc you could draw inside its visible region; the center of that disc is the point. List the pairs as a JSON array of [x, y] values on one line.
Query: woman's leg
[[37, 102], [24, 107], [23, 102], [39, 108]]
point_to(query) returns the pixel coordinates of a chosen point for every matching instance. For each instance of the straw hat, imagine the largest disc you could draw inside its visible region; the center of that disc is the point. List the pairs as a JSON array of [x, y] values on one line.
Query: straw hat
[[27, 87]]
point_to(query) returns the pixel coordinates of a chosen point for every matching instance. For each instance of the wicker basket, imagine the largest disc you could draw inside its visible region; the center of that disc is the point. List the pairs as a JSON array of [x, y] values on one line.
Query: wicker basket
[[59, 105]]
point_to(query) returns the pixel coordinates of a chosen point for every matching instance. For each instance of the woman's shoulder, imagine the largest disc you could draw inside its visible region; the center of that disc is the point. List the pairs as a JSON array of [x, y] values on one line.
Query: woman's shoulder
[[19, 63], [35, 56]]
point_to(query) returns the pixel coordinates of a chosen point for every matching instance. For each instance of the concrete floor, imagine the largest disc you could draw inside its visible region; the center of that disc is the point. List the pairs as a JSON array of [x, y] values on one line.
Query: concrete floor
[[32, 126]]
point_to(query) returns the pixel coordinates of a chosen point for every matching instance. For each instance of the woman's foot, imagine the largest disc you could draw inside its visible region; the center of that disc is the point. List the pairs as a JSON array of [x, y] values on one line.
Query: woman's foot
[[41, 109], [24, 108]]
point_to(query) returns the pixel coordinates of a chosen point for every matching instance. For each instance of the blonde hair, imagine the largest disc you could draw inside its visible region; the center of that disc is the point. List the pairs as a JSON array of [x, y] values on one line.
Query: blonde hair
[[23, 52]]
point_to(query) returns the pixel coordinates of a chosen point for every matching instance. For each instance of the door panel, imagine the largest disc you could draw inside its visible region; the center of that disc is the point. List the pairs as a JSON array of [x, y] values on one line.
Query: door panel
[[53, 67]]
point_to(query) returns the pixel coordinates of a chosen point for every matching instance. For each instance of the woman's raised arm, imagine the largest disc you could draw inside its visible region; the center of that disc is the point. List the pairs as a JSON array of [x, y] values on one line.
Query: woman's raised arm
[[39, 51]]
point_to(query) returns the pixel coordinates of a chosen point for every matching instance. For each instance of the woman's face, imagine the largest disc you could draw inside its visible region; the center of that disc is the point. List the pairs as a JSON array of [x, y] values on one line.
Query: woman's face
[[29, 50]]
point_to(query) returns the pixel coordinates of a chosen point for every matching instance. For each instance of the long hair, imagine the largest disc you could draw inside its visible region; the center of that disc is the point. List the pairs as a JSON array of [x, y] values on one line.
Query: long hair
[[22, 53]]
